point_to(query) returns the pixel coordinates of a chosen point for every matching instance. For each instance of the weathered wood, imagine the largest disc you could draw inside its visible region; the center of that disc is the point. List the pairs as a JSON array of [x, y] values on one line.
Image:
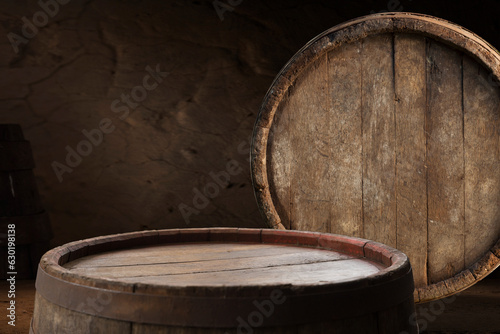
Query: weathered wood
[[445, 163], [278, 152], [379, 200], [56, 319], [404, 149], [180, 255], [411, 173], [310, 180], [151, 282], [482, 159], [345, 149]]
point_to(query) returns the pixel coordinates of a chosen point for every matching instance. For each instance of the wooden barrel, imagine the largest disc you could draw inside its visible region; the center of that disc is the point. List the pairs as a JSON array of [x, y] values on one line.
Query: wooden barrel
[[22, 218], [224, 280], [387, 127]]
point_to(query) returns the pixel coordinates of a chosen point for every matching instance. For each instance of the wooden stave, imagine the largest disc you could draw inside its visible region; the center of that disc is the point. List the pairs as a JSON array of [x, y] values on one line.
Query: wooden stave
[[398, 271], [438, 29]]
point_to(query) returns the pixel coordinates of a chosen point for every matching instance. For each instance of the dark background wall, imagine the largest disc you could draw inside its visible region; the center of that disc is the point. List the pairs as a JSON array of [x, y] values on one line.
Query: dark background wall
[[163, 144]]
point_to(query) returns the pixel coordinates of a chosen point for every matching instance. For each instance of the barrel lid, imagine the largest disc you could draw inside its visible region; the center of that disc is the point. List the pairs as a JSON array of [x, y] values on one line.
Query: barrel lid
[[188, 277], [387, 127]]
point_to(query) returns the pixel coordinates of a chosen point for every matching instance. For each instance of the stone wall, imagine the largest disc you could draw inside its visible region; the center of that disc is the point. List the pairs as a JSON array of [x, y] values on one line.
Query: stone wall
[[133, 107]]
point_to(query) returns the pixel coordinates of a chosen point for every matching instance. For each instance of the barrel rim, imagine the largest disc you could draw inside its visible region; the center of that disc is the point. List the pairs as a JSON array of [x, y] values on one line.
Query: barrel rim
[[395, 281], [355, 29]]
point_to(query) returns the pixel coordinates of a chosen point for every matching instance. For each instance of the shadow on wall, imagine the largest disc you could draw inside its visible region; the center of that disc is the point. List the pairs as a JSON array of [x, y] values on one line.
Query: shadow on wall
[[121, 146]]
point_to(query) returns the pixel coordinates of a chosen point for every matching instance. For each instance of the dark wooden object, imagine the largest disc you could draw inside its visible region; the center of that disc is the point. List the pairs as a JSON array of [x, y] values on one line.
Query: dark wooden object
[[387, 128], [20, 205], [224, 280]]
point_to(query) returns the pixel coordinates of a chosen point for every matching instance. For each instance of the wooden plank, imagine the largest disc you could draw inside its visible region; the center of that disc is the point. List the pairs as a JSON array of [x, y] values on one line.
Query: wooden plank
[[482, 160], [379, 200], [346, 173], [180, 253], [394, 201], [279, 160], [310, 273], [195, 266], [311, 182], [445, 162], [411, 180]]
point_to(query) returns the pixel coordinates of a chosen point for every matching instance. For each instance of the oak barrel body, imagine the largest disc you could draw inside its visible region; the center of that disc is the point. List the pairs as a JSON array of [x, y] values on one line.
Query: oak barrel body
[[24, 225], [224, 280], [387, 127]]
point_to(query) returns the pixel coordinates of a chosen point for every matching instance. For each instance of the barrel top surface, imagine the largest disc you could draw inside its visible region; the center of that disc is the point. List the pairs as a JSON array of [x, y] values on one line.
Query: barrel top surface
[[211, 277], [226, 258], [387, 127], [225, 264]]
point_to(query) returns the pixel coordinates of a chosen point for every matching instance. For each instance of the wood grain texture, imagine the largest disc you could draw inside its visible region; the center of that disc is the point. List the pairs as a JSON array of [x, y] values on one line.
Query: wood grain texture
[[223, 264], [345, 167], [482, 159], [204, 284], [52, 318], [413, 118], [310, 150], [279, 159], [411, 174], [379, 200], [445, 162]]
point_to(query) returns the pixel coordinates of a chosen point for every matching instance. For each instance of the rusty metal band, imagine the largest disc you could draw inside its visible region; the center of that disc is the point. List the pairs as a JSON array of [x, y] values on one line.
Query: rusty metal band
[[220, 312]]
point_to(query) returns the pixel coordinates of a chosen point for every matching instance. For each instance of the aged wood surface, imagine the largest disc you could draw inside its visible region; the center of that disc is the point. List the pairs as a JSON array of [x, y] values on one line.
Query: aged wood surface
[[482, 158], [445, 163], [403, 149], [344, 147], [279, 150], [411, 172], [207, 280], [377, 107], [224, 264], [310, 188]]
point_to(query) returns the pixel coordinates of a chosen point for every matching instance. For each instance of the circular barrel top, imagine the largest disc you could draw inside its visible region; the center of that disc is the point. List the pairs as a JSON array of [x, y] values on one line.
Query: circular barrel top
[[387, 127], [224, 264], [209, 277]]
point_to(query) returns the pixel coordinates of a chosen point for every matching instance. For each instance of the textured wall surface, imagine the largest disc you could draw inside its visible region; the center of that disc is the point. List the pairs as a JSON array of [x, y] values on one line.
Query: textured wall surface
[[144, 145]]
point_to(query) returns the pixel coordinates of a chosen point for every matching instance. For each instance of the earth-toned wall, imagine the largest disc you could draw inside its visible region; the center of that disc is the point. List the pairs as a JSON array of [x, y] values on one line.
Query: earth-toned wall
[[140, 112]]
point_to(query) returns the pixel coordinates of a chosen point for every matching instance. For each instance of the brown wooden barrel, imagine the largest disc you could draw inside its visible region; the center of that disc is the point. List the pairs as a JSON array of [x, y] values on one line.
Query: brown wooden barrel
[[224, 280], [387, 127], [20, 207]]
